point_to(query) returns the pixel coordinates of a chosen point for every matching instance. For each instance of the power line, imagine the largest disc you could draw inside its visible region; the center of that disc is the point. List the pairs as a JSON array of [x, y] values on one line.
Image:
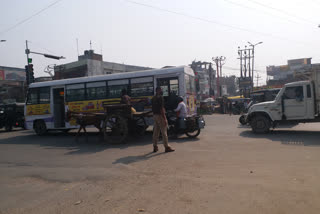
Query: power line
[[237, 69], [216, 22], [254, 9], [30, 17], [40, 46], [283, 12]]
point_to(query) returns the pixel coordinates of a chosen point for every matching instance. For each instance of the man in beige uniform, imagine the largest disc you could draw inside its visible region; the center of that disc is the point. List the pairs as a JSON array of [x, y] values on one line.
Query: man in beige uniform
[[160, 121]]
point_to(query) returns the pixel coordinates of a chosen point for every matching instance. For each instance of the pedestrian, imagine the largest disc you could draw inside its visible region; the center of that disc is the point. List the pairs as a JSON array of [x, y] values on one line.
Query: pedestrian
[[160, 122], [125, 99], [229, 107]]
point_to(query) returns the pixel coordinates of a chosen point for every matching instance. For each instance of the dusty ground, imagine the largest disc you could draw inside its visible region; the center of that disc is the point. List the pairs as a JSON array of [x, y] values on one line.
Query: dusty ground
[[226, 170]]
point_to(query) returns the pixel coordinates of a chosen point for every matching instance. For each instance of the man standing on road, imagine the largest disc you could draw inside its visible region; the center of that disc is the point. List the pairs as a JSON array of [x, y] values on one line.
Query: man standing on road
[[160, 122]]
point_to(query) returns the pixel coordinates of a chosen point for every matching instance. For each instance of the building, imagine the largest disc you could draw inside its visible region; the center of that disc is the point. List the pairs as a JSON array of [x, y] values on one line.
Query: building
[[43, 79], [91, 64], [12, 84], [204, 79], [229, 85], [277, 76]]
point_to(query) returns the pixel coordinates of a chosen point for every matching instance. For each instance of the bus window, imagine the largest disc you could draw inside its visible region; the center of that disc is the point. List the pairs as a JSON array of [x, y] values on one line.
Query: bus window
[[75, 92], [115, 87], [32, 96], [174, 86], [44, 95], [142, 87], [38, 96], [96, 90], [169, 86]]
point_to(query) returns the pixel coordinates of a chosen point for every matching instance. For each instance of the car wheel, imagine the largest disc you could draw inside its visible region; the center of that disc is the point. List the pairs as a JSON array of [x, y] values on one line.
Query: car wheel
[[40, 127], [260, 124], [242, 120]]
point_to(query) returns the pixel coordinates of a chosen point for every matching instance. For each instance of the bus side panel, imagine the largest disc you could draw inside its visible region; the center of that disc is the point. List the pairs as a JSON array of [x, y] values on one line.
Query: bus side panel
[[139, 103], [191, 104], [36, 112]]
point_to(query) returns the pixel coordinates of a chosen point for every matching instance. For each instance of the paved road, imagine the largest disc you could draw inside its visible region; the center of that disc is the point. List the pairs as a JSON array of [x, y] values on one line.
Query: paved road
[[227, 170]]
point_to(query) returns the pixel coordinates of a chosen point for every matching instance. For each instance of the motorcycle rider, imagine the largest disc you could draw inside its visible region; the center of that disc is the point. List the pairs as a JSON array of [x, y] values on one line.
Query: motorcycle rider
[[181, 113]]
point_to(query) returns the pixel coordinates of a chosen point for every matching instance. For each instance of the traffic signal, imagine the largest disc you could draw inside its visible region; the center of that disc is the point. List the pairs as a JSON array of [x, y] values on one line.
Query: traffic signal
[[31, 74], [27, 74], [197, 84]]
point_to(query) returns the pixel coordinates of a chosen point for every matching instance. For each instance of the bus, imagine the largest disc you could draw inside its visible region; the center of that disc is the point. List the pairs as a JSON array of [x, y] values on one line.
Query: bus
[[48, 102]]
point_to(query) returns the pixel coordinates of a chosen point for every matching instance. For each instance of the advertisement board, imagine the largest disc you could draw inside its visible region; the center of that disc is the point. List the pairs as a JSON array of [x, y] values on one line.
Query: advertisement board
[[2, 75], [15, 75], [38, 109], [245, 82]]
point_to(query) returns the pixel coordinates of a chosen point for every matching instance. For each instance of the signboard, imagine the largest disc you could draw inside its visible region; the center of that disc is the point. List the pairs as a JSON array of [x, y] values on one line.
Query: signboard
[[12, 74], [2, 75], [15, 75], [245, 82], [38, 109]]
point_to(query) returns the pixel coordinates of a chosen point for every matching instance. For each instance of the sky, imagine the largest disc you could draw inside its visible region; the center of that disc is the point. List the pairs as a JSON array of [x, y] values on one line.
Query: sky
[[157, 33]]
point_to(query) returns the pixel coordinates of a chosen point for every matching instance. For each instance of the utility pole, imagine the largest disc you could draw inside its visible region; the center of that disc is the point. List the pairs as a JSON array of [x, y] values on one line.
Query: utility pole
[[258, 77], [27, 52], [29, 67], [216, 60], [220, 61], [240, 55], [253, 46], [246, 78]]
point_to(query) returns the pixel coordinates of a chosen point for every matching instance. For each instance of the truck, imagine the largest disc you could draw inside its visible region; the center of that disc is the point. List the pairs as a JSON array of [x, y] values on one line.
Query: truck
[[297, 102]]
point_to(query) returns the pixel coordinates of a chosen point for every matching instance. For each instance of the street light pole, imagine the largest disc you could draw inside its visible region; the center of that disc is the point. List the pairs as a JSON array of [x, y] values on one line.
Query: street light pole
[[253, 46], [27, 52]]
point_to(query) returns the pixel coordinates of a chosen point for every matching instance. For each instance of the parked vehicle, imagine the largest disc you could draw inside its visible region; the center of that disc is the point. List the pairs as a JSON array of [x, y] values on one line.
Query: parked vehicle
[[207, 106], [191, 126], [11, 115], [297, 102], [258, 97]]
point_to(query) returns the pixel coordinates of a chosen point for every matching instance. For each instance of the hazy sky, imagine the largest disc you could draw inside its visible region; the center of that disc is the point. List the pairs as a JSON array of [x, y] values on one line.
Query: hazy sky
[[151, 35]]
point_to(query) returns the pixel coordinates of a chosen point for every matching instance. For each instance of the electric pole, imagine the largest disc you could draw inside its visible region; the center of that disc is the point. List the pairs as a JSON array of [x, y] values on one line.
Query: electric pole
[[258, 77], [220, 61], [253, 46]]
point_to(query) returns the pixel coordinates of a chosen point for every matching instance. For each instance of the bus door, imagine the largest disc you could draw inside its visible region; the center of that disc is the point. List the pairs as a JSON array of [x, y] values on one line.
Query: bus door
[[170, 89], [58, 107]]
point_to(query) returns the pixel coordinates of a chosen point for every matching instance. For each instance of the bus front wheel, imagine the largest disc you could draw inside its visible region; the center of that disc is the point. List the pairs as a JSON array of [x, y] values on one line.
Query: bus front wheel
[[40, 127]]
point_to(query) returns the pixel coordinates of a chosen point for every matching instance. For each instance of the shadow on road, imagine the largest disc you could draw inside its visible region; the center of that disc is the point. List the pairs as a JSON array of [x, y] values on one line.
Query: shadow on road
[[13, 130], [286, 137], [67, 141], [133, 159]]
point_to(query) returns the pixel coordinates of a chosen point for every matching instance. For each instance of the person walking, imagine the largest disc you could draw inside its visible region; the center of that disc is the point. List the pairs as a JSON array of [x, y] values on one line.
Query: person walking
[[160, 122]]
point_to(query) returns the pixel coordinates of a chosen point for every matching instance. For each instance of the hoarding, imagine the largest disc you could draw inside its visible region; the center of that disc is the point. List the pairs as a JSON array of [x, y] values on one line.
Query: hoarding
[[12, 74], [245, 82], [2, 75]]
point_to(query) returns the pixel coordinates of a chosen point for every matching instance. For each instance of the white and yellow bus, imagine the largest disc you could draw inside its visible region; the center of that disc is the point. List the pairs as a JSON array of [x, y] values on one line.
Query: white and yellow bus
[[48, 102]]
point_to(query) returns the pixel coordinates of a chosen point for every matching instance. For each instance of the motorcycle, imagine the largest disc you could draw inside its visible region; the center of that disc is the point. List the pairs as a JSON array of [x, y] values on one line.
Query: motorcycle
[[191, 126]]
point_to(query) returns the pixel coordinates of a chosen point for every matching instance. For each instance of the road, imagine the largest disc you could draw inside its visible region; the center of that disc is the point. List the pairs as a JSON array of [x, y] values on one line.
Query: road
[[228, 169]]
